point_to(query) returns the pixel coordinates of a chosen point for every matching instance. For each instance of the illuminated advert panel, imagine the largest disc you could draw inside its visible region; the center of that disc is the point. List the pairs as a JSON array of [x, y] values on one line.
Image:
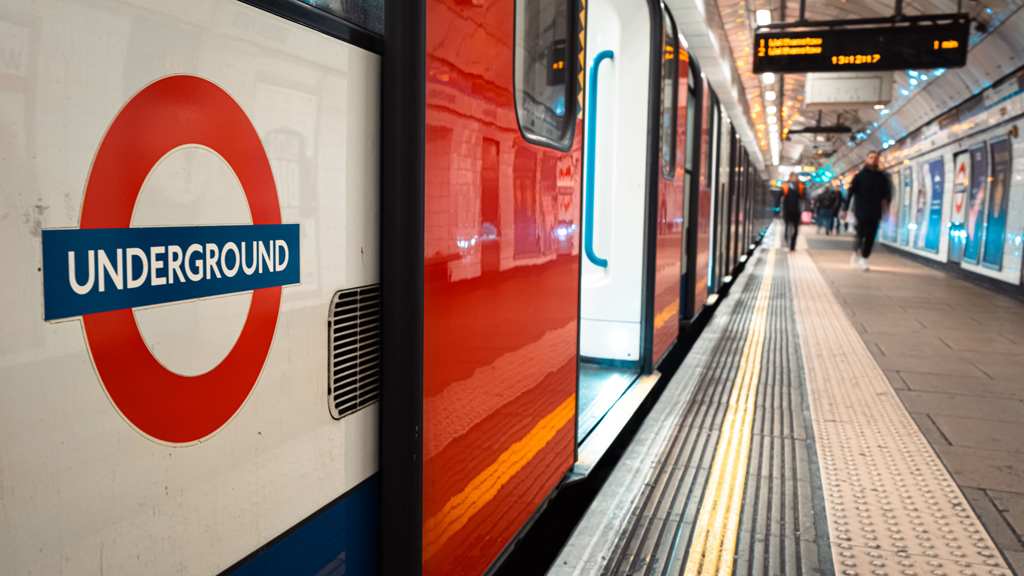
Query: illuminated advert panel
[[848, 50]]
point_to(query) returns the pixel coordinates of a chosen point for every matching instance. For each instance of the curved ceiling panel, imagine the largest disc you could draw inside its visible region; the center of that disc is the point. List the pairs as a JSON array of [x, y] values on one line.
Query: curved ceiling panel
[[992, 57]]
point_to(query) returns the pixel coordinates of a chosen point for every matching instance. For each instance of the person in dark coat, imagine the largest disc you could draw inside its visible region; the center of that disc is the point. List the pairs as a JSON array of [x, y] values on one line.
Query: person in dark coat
[[828, 202], [837, 225], [870, 192], [792, 206]]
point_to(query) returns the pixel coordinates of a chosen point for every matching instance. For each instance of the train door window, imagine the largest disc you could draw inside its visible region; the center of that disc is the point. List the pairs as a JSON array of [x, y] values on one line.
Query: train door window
[[543, 72], [669, 106], [691, 116], [691, 107], [368, 14]]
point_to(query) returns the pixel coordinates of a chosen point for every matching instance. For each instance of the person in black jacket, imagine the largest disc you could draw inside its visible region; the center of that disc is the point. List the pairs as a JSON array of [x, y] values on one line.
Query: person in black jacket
[[870, 193], [792, 207], [828, 202]]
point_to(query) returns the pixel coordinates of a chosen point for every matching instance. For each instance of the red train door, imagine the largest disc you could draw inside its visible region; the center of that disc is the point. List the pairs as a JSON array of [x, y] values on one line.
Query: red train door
[[671, 190], [480, 222]]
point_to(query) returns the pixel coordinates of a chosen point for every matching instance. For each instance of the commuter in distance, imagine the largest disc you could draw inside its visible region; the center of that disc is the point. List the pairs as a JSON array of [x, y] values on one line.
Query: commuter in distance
[[828, 202], [792, 203], [870, 193]]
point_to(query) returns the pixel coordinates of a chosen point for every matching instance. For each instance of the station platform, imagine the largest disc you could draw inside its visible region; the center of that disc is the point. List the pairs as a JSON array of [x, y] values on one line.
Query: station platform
[[827, 421]]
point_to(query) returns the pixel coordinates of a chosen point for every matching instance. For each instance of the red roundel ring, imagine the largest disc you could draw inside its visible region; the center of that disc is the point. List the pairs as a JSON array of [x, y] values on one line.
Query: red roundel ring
[[172, 112]]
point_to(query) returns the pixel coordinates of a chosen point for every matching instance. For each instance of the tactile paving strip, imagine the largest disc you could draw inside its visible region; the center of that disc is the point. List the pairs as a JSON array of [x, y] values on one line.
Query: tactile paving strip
[[892, 507], [654, 540]]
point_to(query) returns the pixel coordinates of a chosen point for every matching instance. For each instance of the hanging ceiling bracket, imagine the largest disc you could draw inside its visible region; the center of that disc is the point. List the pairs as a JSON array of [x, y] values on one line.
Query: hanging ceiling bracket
[[837, 129], [897, 18]]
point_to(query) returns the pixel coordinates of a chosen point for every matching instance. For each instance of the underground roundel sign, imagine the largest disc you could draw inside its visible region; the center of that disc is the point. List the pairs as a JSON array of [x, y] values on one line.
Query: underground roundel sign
[[104, 268]]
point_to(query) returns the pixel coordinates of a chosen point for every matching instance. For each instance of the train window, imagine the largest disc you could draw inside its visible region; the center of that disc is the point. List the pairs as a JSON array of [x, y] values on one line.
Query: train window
[[691, 111], [367, 14], [543, 72], [669, 106]]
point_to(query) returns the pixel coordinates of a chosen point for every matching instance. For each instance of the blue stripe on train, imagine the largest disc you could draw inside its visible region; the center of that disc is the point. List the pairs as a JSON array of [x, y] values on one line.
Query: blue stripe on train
[[341, 540]]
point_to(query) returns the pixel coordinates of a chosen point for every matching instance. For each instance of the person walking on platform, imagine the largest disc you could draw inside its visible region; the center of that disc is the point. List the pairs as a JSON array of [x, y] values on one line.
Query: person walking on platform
[[870, 193], [828, 202], [792, 195], [837, 225]]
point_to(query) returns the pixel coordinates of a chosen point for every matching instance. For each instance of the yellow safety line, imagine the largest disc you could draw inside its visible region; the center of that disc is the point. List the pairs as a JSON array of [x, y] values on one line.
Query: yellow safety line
[[666, 314], [714, 539], [482, 489]]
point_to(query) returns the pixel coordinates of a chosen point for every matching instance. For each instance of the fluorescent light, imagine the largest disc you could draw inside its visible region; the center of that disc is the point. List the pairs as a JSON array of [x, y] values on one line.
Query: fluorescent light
[[769, 95], [771, 109], [772, 119], [764, 17], [879, 106], [773, 127], [768, 78]]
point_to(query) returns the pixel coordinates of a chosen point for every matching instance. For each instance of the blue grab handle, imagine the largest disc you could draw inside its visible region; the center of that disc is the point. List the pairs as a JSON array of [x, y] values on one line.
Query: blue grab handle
[[588, 212]]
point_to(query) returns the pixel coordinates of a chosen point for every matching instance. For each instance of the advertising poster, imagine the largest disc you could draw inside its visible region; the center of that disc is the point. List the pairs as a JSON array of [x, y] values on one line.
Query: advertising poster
[[889, 218], [961, 184], [920, 205], [906, 186], [937, 178], [998, 204], [976, 203]]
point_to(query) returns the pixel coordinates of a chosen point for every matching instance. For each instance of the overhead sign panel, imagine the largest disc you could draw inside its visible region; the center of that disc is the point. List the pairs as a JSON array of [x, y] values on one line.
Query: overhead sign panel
[[845, 90], [858, 49]]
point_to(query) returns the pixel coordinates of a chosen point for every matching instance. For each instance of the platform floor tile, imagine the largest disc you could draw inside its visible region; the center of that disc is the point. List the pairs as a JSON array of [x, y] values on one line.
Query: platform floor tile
[[722, 477], [892, 506]]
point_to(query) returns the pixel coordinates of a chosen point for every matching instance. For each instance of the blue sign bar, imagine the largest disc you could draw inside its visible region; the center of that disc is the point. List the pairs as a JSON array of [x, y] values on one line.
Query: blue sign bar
[[99, 270]]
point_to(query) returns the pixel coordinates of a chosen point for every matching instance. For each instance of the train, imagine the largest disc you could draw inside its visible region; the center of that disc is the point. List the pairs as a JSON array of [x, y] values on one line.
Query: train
[[285, 294]]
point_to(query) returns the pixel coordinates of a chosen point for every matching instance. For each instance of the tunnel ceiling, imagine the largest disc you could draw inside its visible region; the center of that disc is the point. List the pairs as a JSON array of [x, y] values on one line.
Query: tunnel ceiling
[[908, 86]]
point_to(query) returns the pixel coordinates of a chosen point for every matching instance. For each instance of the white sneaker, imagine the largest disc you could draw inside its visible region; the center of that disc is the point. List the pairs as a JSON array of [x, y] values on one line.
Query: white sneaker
[[853, 259], [864, 264]]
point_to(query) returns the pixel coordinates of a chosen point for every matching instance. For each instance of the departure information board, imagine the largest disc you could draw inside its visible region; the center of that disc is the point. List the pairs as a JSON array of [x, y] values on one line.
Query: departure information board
[[852, 49]]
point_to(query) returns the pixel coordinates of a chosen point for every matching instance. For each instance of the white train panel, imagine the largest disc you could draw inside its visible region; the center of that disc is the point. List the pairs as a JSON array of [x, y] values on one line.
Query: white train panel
[[89, 485]]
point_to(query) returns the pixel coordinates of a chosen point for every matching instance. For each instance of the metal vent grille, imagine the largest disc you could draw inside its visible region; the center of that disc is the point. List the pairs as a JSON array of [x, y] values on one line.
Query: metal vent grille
[[354, 332]]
